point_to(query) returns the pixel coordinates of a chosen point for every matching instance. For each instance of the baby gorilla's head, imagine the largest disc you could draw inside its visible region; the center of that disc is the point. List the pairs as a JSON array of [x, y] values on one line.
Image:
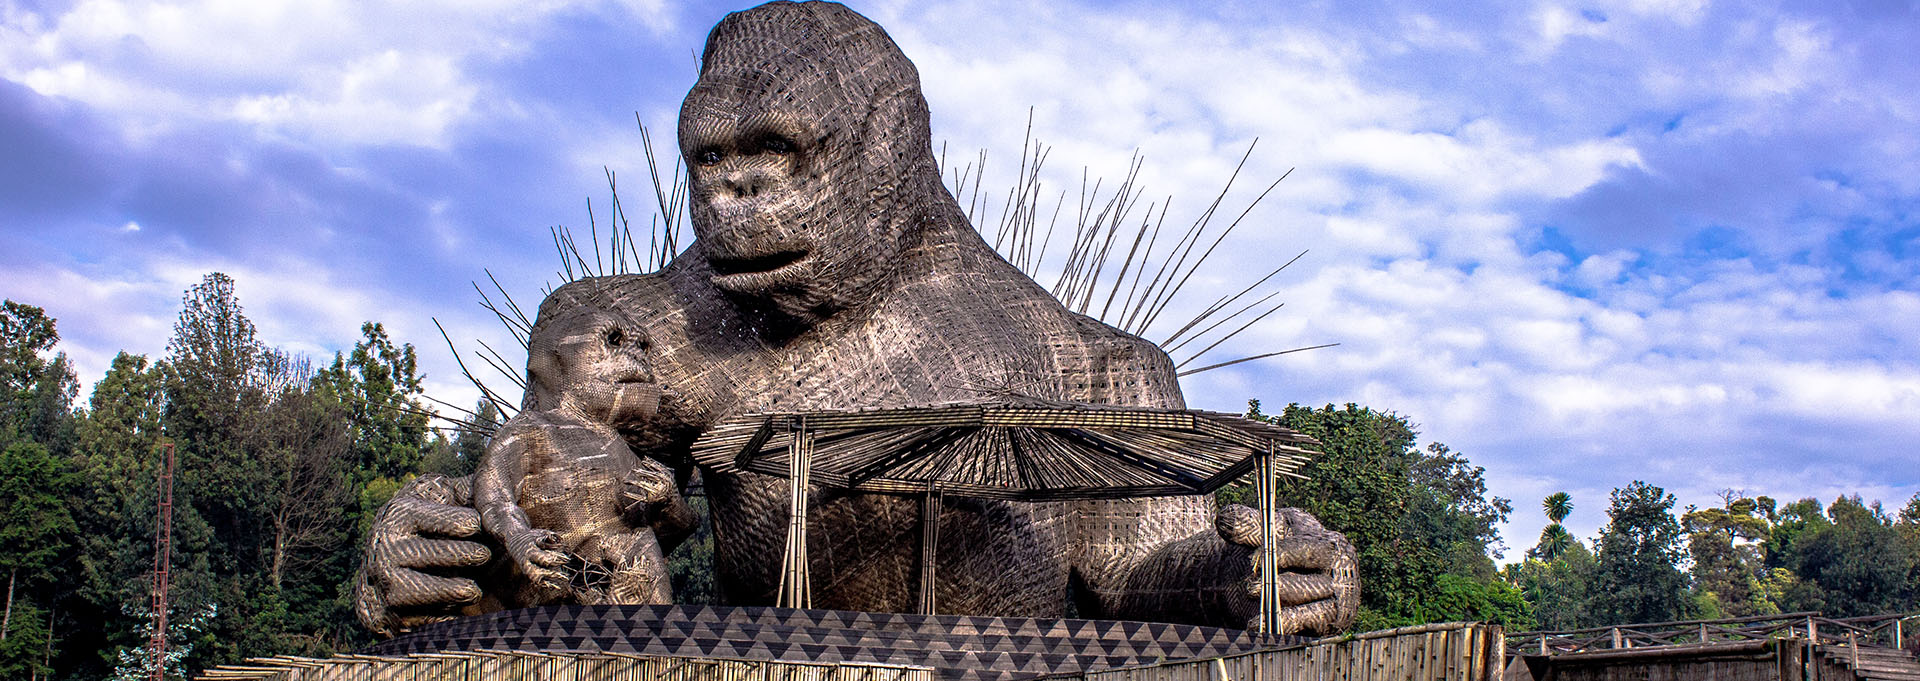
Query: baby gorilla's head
[[587, 355]]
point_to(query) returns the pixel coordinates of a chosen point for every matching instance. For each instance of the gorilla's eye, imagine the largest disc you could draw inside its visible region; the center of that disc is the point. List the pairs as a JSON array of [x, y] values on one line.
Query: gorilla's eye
[[615, 337], [775, 144], [707, 157]]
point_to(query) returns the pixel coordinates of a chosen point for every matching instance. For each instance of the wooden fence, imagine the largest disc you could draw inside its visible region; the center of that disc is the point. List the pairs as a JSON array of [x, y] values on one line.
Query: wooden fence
[[1459, 651], [533, 666], [1885, 630], [1455, 651]]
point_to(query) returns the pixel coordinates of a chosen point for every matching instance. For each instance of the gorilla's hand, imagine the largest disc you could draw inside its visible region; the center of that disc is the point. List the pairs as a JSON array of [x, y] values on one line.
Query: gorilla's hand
[[1319, 587], [651, 497], [418, 569]]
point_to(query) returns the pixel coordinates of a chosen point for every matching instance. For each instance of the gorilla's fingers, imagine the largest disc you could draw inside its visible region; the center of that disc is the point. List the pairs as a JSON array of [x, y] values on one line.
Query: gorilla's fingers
[[1295, 521], [428, 517], [371, 607], [1297, 588], [1238, 525], [436, 553], [1308, 552], [1316, 616], [546, 558], [408, 589], [439, 489]]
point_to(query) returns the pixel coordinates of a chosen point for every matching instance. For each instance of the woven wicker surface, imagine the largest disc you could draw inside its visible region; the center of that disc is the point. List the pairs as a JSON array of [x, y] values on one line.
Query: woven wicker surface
[[1025, 450], [833, 271], [957, 647]]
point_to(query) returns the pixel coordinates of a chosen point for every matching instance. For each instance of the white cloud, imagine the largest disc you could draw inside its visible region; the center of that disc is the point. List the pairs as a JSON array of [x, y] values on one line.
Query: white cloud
[[1423, 159], [331, 73]]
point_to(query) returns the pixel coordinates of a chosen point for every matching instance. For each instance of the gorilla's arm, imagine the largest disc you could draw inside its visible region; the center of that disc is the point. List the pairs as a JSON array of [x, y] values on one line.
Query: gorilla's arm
[[1178, 559]]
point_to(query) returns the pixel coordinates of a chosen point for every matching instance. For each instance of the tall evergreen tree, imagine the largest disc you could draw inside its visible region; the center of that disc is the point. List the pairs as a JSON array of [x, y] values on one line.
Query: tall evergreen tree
[[1636, 573], [213, 396]]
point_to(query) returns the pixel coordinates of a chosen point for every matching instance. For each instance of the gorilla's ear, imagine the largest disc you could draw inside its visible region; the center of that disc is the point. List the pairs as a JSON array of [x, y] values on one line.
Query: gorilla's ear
[[896, 140]]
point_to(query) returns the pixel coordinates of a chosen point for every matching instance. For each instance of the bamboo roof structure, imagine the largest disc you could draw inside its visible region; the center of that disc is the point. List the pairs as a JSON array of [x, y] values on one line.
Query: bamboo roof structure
[[1018, 449]]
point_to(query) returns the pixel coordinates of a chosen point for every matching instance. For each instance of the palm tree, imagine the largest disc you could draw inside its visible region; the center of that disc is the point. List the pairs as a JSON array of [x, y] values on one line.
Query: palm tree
[[1558, 506], [1553, 541]]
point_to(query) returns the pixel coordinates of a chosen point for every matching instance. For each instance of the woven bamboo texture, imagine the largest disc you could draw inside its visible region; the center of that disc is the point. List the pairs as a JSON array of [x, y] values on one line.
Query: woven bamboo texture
[[1023, 451], [958, 648], [533, 666], [1455, 651], [832, 271]]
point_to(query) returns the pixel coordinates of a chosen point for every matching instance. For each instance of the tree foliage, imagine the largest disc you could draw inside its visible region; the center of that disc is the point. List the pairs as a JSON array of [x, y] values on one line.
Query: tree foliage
[[280, 469], [1636, 567], [1727, 563], [1413, 515]]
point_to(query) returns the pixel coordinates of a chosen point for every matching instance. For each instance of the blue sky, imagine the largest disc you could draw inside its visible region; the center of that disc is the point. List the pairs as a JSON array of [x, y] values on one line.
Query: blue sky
[[1583, 243]]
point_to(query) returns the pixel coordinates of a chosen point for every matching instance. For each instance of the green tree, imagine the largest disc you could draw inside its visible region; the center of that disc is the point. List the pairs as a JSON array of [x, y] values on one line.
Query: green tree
[[471, 443], [214, 394], [1554, 540], [1558, 506], [1636, 573], [460, 456], [1559, 589], [36, 394], [116, 445], [378, 386], [1412, 515], [24, 646], [1727, 565], [1450, 509], [1856, 564], [1460, 598], [36, 531]]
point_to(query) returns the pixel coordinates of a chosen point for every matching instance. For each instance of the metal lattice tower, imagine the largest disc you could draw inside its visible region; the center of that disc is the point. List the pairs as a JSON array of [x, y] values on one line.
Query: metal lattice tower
[[162, 559]]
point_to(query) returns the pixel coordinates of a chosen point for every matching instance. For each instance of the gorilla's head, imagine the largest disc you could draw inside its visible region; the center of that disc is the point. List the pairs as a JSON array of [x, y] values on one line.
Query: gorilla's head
[[808, 148], [586, 353]]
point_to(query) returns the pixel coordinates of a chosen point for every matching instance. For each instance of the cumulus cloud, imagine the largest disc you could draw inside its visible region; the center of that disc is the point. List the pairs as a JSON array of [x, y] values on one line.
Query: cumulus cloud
[[1582, 243]]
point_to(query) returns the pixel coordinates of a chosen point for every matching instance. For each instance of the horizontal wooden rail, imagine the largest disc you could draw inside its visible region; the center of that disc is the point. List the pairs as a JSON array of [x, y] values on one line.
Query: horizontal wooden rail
[[1885, 629]]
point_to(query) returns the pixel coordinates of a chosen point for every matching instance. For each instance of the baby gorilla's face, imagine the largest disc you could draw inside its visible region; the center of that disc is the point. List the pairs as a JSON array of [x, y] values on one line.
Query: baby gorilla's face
[[598, 366]]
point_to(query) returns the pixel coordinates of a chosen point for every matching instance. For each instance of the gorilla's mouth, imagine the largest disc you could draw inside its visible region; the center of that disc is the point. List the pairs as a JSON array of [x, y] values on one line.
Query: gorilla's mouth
[[755, 264]]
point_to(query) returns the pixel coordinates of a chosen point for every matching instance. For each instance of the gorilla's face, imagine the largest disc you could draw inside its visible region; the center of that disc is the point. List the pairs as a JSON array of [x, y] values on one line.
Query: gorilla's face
[[806, 141], [593, 361], [768, 191]]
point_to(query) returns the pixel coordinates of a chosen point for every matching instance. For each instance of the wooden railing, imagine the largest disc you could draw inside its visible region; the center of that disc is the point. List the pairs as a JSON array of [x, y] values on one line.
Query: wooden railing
[[1885, 630], [537, 666], [1453, 651]]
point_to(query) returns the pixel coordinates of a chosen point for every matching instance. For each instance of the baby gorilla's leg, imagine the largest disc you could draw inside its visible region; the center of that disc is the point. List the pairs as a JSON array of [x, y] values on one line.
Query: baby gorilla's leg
[[637, 569]]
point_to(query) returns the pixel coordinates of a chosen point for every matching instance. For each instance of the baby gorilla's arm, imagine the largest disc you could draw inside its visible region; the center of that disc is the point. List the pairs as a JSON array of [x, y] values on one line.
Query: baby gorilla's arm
[[496, 497]]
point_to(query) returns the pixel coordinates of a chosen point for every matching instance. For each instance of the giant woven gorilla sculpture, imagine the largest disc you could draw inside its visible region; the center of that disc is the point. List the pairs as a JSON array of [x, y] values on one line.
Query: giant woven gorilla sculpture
[[832, 270]]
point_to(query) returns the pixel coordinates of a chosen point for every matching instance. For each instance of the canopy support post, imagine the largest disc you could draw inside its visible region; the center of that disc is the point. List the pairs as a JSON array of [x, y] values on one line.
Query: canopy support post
[[796, 589], [1270, 620], [929, 545]]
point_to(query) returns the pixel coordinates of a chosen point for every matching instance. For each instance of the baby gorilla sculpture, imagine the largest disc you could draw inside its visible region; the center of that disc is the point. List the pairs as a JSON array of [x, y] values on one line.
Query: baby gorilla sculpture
[[832, 270], [559, 487]]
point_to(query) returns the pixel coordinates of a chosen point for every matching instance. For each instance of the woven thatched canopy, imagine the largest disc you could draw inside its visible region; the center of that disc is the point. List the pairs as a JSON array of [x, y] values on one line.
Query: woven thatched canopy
[[1025, 450]]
